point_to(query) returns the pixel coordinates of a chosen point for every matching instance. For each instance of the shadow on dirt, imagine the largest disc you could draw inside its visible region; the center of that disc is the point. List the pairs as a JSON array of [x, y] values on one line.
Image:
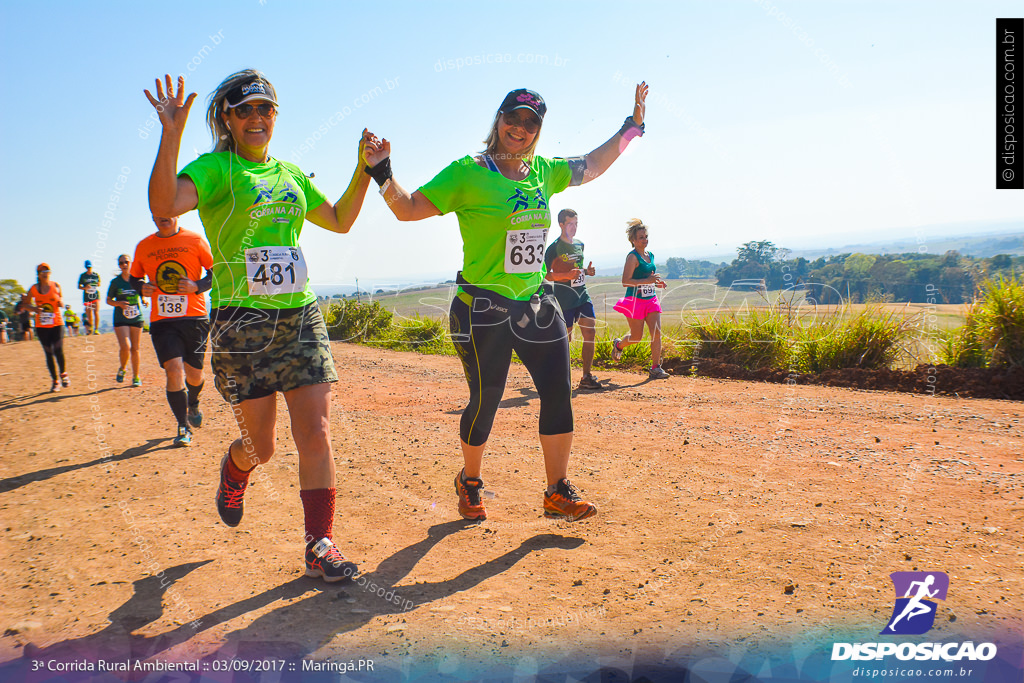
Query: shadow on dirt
[[293, 630], [610, 385], [115, 643], [12, 483], [526, 394], [48, 397]]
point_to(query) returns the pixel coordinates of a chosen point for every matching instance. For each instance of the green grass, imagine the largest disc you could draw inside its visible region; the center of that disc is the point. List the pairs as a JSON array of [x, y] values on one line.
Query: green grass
[[423, 335], [752, 330], [999, 316], [872, 339], [962, 347], [993, 334], [753, 339]]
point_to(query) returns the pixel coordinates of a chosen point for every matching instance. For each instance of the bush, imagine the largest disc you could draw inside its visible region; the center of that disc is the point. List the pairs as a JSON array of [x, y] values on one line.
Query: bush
[[999, 317], [759, 339], [873, 339], [356, 321], [962, 347], [425, 335]]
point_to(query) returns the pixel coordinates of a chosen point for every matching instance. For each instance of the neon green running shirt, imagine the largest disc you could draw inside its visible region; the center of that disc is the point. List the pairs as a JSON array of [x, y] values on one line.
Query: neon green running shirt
[[247, 209], [504, 223]]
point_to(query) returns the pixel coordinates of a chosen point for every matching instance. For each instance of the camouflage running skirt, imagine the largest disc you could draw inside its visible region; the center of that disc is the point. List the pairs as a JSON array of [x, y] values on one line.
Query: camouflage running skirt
[[256, 352]]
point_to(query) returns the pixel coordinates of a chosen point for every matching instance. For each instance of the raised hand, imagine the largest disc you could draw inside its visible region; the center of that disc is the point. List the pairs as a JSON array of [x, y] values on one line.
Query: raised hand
[[375, 150], [172, 109], [364, 140], [640, 105]]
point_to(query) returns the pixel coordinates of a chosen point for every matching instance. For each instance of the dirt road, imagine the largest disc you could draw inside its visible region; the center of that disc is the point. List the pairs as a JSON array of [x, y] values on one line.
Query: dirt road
[[731, 513]]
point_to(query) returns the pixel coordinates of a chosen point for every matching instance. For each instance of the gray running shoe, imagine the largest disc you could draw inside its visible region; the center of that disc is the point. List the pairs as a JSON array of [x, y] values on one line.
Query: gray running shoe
[[184, 438]]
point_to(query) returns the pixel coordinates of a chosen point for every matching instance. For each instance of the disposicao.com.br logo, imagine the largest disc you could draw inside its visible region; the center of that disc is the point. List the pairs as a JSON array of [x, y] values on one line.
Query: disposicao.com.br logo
[[913, 613]]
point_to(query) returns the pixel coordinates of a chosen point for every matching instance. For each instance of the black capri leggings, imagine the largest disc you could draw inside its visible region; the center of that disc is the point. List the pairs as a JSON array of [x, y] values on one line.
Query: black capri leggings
[[52, 339], [485, 331]]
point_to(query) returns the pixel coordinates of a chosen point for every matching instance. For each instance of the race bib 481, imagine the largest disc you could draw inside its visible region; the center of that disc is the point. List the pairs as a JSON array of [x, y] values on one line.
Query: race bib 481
[[275, 270]]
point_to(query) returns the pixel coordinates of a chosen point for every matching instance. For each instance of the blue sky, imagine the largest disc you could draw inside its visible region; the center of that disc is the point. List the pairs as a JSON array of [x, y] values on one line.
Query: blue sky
[[803, 123]]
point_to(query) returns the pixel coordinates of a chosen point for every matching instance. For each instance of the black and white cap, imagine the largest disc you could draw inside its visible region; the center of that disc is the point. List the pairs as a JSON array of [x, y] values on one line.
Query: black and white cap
[[256, 89]]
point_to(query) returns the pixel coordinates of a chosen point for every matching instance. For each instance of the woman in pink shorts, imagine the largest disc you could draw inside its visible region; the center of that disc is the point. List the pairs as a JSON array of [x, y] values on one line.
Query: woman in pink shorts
[[640, 304]]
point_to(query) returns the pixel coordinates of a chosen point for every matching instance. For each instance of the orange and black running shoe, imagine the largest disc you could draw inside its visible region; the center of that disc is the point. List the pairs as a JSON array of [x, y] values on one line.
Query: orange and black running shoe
[[468, 492], [565, 503]]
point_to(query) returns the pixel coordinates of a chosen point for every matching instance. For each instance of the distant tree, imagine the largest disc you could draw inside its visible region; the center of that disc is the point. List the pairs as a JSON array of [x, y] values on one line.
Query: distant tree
[[858, 265], [1001, 262], [760, 253], [674, 268], [10, 294], [951, 259]]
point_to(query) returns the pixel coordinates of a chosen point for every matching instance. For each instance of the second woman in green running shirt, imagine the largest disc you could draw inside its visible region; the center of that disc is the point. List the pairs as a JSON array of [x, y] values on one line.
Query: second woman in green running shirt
[[501, 199]]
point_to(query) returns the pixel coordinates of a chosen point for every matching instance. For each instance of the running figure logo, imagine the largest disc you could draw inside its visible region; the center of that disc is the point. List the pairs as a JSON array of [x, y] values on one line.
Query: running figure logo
[[522, 201], [914, 611], [541, 202], [288, 194], [263, 192]]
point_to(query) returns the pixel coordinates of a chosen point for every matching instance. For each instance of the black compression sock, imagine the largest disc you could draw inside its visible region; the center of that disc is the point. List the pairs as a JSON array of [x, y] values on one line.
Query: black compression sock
[[193, 393], [178, 401]]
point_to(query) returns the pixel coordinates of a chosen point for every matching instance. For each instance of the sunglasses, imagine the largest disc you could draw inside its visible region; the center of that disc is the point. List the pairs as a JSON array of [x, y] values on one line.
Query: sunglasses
[[123, 263], [244, 111], [531, 124]]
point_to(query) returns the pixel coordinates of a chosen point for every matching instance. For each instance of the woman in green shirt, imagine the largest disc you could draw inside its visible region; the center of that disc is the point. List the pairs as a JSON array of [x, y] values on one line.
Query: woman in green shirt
[[128, 319], [501, 199], [267, 333]]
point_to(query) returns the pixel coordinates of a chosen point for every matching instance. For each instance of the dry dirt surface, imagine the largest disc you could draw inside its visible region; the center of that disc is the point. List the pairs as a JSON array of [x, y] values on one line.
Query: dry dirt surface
[[738, 521]]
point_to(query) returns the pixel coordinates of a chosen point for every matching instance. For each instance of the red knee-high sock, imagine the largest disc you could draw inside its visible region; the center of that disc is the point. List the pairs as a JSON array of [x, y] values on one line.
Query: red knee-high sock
[[318, 506], [237, 474]]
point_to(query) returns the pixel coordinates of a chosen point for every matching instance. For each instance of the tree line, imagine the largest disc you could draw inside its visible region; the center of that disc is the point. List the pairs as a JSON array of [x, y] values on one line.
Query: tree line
[[909, 277]]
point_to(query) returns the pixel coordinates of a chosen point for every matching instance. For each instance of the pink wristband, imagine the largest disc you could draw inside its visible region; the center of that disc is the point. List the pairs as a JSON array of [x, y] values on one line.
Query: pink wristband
[[630, 133]]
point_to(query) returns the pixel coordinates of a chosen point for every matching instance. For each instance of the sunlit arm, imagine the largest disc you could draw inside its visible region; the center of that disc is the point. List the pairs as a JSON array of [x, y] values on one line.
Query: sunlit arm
[[601, 159], [169, 195], [340, 216], [408, 207], [564, 276]]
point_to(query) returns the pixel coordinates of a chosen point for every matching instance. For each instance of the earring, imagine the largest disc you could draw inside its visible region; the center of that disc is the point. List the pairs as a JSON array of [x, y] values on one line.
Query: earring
[[223, 137]]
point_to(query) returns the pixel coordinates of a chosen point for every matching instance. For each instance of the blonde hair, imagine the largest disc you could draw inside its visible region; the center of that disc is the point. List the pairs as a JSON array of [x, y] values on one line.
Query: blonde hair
[[634, 225], [222, 140], [492, 141]]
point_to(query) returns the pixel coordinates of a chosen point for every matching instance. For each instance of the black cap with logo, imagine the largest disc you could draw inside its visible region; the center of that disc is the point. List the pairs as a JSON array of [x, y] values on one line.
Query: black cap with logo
[[256, 89], [524, 99]]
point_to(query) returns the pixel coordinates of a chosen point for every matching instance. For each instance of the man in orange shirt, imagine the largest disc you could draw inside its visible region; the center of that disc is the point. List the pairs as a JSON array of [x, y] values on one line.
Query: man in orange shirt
[[172, 259]]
